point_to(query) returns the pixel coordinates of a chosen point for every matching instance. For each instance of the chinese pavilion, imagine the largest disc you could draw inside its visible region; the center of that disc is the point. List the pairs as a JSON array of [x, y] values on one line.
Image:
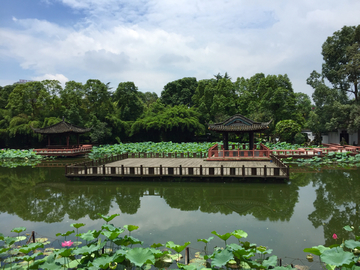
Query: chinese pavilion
[[239, 124], [63, 129]]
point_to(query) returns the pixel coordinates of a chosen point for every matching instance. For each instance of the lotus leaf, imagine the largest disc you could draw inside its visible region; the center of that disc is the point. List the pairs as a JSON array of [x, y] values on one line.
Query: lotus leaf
[[65, 234], [352, 244], [337, 257], [77, 225], [177, 248], [221, 258], [131, 228], [316, 250], [18, 229], [108, 218], [206, 240], [140, 256], [239, 234], [271, 261]]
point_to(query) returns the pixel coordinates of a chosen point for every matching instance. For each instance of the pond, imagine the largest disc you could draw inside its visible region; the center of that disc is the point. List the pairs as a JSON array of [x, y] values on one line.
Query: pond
[[286, 217]]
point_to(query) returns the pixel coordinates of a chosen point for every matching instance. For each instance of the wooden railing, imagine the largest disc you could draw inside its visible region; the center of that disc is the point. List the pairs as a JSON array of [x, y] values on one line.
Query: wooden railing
[[82, 148], [259, 151], [284, 168], [180, 171], [98, 168]]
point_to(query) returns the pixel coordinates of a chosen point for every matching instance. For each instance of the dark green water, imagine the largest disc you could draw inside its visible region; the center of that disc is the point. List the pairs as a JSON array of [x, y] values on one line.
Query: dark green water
[[288, 217]]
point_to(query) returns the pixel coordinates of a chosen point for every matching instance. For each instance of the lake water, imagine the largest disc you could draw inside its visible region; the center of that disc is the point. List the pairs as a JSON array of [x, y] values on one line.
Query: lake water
[[288, 217]]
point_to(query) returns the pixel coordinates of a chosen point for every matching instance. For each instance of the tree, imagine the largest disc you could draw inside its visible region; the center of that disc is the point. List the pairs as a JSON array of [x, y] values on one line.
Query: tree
[[128, 102], [286, 130], [179, 92], [148, 98], [341, 53], [303, 105], [178, 123], [215, 100], [97, 97], [331, 110], [29, 98], [73, 107], [262, 98]]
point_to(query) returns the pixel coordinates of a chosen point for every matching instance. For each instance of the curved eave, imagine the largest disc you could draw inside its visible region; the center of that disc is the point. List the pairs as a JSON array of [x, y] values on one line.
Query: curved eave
[[36, 130], [238, 128], [61, 128]]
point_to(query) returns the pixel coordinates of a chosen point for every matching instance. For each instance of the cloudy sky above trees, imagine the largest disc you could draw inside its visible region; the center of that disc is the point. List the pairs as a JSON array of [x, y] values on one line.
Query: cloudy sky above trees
[[153, 42]]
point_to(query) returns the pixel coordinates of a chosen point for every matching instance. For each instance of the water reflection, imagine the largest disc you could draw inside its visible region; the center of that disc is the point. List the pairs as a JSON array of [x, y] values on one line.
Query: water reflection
[[337, 203], [44, 194]]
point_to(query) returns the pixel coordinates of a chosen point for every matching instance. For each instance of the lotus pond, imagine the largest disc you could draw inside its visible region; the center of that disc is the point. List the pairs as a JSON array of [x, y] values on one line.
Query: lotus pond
[[287, 218]]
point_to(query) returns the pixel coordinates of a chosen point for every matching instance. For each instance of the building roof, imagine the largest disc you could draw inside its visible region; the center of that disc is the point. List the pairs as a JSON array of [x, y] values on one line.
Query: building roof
[[61, 127], [239, 123]]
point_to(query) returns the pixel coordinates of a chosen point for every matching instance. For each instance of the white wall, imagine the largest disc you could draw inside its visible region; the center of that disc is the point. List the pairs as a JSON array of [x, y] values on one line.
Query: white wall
[[334, 137]]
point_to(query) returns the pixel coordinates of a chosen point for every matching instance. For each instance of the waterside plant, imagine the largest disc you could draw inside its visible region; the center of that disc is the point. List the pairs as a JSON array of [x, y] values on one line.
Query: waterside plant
[[344, 255], [108, 248], [12, 158], [343, 159]]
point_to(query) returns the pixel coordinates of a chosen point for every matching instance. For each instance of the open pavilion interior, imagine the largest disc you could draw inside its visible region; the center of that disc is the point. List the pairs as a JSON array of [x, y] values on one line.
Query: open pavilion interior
[[61, 130], [239, 124]]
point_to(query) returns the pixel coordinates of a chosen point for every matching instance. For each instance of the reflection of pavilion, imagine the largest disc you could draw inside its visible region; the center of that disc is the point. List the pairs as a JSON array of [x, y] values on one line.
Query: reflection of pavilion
[[241, 206], [244, 199], [61, 130]]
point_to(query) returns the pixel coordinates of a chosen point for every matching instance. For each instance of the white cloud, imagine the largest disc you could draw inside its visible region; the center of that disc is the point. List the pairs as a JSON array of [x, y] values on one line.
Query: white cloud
[[157, 41], [59, 77]]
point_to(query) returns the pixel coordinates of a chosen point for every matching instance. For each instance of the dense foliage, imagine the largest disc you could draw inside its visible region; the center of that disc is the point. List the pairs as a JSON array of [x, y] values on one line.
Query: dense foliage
[[125, 114], [334, 109], [148, 147]]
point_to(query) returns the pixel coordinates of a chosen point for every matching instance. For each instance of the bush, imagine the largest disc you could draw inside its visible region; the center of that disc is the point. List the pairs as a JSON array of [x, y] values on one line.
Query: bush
[[299, 138]]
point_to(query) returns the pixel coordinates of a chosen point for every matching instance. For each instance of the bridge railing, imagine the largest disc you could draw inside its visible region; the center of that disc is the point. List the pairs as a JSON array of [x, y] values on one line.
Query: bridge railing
[[260, 150], [162, 171]]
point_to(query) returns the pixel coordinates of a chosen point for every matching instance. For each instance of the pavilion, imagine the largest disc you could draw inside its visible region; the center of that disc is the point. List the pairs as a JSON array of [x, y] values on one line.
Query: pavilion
[[239, 124], [63, 129]]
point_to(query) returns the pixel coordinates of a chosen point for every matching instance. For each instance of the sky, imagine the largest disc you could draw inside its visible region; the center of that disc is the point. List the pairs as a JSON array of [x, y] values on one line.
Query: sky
[[154, 42]]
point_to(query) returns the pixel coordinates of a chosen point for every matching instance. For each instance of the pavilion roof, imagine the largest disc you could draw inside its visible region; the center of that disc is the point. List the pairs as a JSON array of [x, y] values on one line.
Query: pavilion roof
[[61, 127], [239, 123]]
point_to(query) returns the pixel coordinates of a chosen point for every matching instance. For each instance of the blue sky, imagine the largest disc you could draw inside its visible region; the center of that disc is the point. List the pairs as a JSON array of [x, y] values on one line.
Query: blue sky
[[153, 42]]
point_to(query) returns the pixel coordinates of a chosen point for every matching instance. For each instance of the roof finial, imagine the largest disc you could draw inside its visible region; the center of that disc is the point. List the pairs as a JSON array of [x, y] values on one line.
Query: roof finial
[[63, 118]]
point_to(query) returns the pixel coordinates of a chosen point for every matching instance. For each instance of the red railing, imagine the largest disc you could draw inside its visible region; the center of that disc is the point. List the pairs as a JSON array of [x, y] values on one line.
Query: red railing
[[258, 152], [82, 148]]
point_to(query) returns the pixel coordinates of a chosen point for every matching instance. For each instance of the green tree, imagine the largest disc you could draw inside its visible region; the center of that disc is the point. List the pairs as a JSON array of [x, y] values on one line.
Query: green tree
[[97, 98], [341, 53], [178, 123], [286, 130], [73, 107], [179, 92], [215, 100], [303, 105], [128, 102], [331, 110], [29, 98], [268, 97], [148, 98]]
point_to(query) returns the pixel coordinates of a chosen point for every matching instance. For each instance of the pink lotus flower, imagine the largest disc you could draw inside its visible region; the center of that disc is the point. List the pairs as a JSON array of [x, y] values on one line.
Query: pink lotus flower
[[334, 236], [67, 243]]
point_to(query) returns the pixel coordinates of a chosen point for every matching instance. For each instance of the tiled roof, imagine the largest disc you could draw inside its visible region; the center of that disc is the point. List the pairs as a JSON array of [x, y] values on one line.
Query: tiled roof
[[239, 123], [61, 127]]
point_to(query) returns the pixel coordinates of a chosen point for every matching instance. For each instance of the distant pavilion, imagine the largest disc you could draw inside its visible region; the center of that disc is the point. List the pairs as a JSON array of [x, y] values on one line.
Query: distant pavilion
[[239, 124], [63, 129]]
